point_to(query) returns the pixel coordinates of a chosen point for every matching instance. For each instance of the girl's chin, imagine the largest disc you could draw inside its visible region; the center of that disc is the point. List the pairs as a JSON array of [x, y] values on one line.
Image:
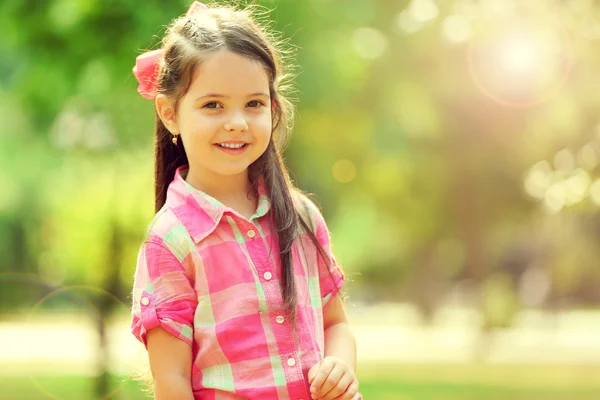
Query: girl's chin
[[230, 170]]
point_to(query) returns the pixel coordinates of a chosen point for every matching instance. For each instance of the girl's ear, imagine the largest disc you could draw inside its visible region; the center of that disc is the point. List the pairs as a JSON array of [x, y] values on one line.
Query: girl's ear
[[166, 113]]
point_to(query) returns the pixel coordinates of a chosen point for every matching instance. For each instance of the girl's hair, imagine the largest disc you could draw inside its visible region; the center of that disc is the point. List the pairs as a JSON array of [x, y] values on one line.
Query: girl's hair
[[188, 41]]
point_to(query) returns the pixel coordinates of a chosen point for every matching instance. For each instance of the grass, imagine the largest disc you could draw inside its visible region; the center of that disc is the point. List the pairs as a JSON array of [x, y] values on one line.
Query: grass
[[424, 382]]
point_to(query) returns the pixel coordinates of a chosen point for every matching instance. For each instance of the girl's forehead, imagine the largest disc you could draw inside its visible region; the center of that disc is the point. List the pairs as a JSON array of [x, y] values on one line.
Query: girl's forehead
[[228, 73]]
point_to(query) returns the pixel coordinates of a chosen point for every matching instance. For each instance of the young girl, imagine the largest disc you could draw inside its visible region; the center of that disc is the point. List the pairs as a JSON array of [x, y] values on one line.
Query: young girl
[[236, 291]]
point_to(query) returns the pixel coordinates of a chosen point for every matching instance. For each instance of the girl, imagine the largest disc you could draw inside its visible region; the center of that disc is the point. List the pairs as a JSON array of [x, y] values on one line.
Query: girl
[[236, 291]]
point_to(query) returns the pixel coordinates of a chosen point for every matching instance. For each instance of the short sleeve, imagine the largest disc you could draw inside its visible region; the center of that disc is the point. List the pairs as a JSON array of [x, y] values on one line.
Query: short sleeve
[[331, 276], [163, 294]]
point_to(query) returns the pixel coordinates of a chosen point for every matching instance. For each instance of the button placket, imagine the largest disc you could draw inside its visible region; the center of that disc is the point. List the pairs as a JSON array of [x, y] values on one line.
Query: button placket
[[251, 233], [260, 251]]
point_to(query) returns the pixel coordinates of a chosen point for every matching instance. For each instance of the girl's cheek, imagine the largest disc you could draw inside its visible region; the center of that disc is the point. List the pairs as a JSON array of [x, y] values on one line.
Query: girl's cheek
[[265, 120]]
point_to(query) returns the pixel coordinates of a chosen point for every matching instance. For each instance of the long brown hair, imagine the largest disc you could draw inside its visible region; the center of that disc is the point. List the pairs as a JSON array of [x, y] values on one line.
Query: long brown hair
[[188, 41]]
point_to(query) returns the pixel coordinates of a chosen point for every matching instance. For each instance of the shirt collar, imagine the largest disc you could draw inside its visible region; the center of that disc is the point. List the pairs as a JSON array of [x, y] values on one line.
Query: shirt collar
[[199, 212]]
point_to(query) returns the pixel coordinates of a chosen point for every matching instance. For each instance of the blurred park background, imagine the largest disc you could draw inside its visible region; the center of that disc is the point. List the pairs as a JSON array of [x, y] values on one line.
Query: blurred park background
[[453, 145]]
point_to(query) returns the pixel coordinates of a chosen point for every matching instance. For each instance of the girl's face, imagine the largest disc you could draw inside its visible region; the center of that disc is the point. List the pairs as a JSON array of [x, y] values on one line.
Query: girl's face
[[225, 117]]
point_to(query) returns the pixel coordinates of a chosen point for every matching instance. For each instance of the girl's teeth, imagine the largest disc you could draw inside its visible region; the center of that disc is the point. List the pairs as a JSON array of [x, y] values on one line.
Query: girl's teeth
[[232, 146]]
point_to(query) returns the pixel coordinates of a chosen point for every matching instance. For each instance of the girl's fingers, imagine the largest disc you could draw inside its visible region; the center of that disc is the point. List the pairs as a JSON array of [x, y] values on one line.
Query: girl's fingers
[[313, 372], [329, 383], [340, 388], [325, 368], [351, 392]]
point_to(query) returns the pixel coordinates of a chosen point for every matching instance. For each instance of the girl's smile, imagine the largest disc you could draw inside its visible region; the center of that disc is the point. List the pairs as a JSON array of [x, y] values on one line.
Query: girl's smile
[[233, 147]]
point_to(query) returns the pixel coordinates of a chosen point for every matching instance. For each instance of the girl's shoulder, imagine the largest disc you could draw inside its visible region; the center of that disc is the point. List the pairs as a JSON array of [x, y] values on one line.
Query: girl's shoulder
[[166, 229], [307, 208]]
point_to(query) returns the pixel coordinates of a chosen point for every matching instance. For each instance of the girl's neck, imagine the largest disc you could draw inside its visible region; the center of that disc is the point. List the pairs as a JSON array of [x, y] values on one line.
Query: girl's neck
[[234, 191]]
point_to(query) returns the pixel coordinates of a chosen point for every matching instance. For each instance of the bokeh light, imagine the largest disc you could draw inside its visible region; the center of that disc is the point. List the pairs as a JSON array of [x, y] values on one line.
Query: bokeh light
[[456, 29], [344, 171], [369, 43]]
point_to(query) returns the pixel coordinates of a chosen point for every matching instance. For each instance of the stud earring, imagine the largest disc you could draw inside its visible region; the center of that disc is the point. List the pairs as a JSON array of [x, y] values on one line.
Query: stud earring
[[174, 140]]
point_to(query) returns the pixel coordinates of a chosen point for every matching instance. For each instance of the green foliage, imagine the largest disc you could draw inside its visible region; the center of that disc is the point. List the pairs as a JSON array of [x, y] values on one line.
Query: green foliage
[[437, 161]]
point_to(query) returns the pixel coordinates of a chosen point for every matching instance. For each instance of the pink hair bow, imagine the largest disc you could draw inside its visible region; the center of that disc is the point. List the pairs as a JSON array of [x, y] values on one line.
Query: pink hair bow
[[147, 64]]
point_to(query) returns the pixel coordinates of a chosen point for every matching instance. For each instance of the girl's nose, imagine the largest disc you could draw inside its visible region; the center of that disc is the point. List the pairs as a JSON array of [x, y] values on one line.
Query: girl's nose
[[237, 122]]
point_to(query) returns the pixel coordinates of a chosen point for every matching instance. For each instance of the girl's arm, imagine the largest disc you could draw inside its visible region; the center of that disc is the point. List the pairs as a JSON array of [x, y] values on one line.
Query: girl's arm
[[334, 376], [339, 339], [171, 365]]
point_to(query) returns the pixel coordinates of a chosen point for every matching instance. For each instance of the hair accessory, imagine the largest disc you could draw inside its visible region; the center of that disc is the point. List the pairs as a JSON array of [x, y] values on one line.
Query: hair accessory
[[146, 64], [195, 8]]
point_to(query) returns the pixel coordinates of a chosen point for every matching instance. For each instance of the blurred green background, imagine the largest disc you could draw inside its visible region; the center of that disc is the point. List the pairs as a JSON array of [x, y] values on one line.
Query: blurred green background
[[453, 146]]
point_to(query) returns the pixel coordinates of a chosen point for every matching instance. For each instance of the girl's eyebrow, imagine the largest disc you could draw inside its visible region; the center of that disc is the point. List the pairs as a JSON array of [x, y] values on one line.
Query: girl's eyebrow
[[217, 95]]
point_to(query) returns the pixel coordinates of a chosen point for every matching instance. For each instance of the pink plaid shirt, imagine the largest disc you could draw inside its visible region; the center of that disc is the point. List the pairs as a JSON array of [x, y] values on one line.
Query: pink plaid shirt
[[212, 278]]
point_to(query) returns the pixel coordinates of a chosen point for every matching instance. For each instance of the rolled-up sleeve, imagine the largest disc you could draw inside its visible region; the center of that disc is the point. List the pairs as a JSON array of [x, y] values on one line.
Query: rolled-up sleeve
[[163, 294]]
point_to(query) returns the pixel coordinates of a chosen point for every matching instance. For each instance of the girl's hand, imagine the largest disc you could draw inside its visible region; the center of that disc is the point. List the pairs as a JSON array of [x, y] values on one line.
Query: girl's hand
[[331, 378]]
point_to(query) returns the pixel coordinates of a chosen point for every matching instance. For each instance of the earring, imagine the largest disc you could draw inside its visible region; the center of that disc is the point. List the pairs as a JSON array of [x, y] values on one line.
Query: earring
[[174, 140]]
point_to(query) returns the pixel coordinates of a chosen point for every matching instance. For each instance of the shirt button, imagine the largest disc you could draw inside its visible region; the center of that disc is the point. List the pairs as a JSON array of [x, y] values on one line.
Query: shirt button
[[291, 362], [145, 301], [279, 319], [268, 275], [251, 233]]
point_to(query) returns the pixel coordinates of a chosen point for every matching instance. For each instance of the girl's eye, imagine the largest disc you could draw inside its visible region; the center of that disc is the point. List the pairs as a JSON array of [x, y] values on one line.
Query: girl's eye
[[255, 104], [212, 104]]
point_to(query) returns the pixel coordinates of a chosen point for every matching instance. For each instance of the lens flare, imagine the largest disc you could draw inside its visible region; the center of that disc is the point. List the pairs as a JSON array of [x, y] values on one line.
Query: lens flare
[[78, 307], [519, 63]]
